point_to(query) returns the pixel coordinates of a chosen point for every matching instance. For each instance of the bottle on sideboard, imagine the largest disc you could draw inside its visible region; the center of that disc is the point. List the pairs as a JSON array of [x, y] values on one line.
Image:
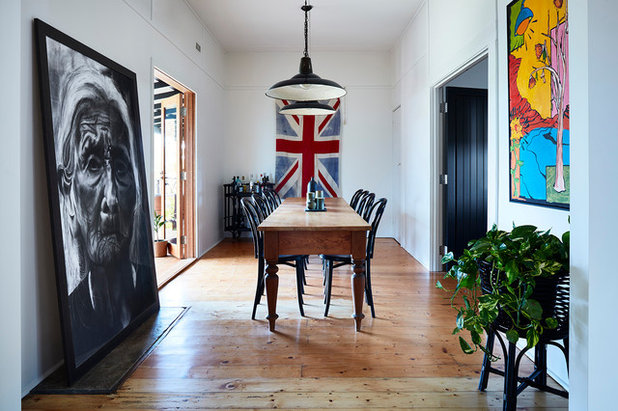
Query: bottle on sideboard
[[312, 186]]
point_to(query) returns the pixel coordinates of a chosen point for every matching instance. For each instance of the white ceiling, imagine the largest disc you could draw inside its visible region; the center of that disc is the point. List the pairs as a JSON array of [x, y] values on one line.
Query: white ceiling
[[277, 25]]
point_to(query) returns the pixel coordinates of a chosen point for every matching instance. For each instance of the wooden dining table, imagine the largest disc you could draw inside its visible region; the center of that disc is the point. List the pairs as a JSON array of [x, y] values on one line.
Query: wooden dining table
[[292, 230]]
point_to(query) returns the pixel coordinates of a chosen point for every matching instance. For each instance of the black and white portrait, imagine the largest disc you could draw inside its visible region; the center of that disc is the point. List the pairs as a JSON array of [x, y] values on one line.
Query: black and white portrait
[[100, 215]]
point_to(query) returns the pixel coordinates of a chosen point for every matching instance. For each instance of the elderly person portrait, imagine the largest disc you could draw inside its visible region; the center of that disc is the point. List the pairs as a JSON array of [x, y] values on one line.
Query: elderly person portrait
[[101, 211]]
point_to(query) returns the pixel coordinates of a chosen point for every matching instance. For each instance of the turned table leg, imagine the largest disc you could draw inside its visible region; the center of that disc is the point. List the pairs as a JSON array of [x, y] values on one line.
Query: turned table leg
[[359, 245], [272, 286], [271, 254], [358, 291]]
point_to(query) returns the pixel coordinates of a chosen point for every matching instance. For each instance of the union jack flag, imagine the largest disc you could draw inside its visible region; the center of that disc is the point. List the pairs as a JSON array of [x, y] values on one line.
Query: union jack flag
[[308, 146]]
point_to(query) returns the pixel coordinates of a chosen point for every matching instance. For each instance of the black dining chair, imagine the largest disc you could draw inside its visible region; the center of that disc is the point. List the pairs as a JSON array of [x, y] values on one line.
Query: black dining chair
[[333, 261], [269, 198], [255, 216], [365, 204], [356, 197], [262, 205], [265, 206], [274, 196]]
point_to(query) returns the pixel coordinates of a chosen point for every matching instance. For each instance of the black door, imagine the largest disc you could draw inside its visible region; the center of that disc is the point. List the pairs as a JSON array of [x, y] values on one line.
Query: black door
[[466, 167]]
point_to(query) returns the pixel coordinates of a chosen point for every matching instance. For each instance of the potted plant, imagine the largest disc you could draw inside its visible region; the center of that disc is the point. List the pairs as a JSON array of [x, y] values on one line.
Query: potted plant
[[160, 246], [500, 278]]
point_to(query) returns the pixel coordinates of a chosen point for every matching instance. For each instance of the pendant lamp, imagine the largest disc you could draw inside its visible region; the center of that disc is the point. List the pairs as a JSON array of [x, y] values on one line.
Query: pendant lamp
[[306, 86], [307, 108]]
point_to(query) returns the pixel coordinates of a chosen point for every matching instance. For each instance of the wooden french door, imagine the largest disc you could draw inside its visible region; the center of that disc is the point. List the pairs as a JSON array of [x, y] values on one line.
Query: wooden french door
[[172, 208], [172, 178], [174, 164], [465, 216]]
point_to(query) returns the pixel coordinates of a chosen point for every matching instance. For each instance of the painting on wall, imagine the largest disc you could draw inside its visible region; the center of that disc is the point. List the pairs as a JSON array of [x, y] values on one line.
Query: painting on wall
[[308, 146], [538, 78], [98, 197]]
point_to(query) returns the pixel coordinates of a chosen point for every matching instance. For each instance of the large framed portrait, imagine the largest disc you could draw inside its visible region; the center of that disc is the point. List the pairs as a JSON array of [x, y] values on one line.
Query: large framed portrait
[[538, 78], [98, 197]]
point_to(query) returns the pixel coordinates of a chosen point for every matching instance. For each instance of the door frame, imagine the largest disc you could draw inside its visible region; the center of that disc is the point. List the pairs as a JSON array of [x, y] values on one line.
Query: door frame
[[398, 227], [190, 205], [436, 232]]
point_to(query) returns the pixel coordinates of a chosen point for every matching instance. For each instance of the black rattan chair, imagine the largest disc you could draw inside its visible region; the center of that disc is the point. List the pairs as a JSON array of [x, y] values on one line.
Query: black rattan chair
[[255, 217], [334, 261], [553, 295]]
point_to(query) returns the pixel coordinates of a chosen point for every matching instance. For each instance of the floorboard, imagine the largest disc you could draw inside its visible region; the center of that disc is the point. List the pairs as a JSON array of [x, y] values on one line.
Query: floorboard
[[218, 358]]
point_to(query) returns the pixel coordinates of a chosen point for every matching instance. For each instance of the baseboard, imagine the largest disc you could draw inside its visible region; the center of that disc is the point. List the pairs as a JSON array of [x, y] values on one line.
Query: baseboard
[[30, 386]]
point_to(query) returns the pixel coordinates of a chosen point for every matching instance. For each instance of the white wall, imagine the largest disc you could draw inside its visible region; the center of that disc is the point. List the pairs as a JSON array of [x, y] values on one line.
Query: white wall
[[366, 158], [138, 34], [441, 38], [411, 91], [10, 343], [594, 202]]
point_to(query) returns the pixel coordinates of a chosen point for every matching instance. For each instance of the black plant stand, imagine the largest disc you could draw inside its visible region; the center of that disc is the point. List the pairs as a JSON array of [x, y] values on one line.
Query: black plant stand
[[553, 296], [512, 360]]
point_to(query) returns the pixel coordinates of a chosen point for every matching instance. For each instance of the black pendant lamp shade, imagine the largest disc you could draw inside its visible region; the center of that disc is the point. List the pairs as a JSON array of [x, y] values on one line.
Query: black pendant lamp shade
[[307, 108], [306, 86]]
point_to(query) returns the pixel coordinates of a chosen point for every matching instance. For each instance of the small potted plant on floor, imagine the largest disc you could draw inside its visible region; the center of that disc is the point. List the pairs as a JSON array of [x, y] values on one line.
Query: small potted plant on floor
[[506, 277], [160, 246]]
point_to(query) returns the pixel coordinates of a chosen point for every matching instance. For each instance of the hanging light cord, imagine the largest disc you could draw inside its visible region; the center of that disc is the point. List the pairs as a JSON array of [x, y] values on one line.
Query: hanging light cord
[[306, 9]]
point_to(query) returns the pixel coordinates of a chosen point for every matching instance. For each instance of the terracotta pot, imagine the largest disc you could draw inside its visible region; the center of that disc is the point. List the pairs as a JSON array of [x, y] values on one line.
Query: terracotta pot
[[160, 248]]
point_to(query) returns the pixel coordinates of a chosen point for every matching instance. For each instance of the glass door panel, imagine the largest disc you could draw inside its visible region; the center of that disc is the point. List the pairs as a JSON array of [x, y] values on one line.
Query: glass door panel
[[170, 176]]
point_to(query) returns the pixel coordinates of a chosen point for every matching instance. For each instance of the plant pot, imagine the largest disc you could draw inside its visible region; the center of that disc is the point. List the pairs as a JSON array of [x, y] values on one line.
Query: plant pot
[[551, 292], [160, 248]]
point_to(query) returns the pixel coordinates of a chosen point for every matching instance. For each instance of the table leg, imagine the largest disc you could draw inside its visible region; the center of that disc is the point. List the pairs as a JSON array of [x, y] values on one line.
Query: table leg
[[358, 291], [272, 285]]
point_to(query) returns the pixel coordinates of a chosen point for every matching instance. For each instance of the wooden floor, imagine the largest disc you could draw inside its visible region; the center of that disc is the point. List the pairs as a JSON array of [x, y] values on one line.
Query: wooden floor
[[216, 357], [168, 267]]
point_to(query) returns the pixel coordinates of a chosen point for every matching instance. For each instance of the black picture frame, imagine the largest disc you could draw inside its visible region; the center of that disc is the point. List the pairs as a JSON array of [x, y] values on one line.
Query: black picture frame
[[100, 218]]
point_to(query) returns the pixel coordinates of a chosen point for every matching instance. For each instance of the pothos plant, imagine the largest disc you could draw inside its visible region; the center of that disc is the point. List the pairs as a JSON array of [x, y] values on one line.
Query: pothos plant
[[520, 257]]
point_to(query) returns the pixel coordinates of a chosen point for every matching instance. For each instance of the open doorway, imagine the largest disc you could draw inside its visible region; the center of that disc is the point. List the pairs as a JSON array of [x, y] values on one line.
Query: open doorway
[[173, 171], [460, 157]]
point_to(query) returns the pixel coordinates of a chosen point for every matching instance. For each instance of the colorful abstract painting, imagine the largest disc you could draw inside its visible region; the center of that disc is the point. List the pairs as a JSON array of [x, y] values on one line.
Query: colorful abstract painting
[[538, 74]]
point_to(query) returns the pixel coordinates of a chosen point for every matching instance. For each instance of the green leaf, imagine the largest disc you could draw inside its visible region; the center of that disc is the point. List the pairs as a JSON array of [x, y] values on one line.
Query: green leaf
[[523, 231], [566, 238], [465, 347], [532, 337], [512, 336], [512, 271], [533, 309], [448, 258], [476, 338], [460, 320], [551, 323], [439, 285]]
